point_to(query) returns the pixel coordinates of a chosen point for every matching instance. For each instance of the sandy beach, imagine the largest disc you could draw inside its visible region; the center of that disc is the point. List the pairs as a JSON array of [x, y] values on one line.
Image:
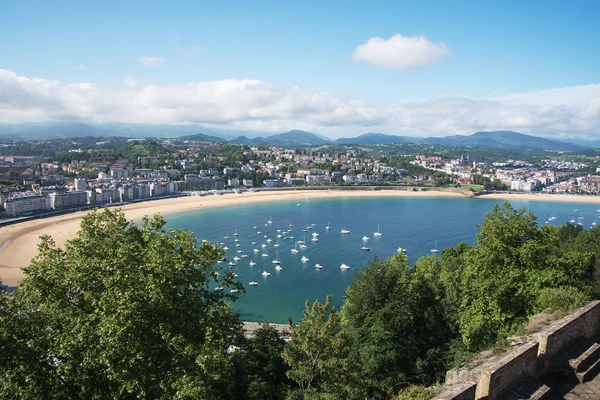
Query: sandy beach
[[18, 242]]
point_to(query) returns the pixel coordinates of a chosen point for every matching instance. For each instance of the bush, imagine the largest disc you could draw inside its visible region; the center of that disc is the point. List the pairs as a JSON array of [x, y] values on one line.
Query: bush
[[417, 392], [564, 298]]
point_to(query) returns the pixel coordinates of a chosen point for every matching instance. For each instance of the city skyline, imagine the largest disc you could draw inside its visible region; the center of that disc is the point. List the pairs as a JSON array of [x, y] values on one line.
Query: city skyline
[[340, 69]]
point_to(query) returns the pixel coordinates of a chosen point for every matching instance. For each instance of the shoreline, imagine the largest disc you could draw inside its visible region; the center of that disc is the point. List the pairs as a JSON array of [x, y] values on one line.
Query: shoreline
[[18, 242]]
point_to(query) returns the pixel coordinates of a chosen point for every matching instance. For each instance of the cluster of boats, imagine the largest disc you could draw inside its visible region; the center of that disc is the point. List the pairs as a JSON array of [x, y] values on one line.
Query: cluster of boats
[[286, 234]]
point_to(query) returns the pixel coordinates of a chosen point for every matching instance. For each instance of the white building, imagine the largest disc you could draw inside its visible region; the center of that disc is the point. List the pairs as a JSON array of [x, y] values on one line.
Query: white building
[[76, 198], [80, 184], [233, 182], [27, 204]]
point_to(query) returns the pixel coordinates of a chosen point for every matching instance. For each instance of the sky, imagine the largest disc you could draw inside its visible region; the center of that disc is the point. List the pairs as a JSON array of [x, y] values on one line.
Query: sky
[[338, 68]]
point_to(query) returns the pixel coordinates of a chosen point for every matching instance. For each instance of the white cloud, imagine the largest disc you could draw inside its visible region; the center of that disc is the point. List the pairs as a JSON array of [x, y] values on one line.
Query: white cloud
[[267, 107], [400, 52], [81, 67], [130, 81], [151, 61], [234, 103]]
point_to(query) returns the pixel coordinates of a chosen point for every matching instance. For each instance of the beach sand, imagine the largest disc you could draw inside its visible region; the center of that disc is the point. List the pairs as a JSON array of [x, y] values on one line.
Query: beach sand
[[18, 242]]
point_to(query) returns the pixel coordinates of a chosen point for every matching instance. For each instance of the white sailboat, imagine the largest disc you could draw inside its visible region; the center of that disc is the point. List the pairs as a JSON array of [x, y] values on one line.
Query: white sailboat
[[265, 273], [278, 268], [328, 227], [377, 234], [304, 259], [253, 283], [252, 263], [226, 236], [318, 266], [365, 238], [295, 249], [276, 260], [436, 248], [344, 266], [235, 234], [345, 232]]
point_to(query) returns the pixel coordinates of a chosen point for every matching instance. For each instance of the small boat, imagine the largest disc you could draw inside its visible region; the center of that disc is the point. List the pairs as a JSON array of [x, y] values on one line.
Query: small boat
[[304, 230], [233, 291], [276, 245], [300, 242], [240, 251], [304, 259], [252, 263], [244, 256], [265, 255], [265, 236], [269, 240], [328, 227], [237, 240], [235, 275], [265, 273], [236, 258], [231, 264], [238, 245], [401, 250], [226, 237], [259, 233], [255, 227], [365, 248], [436, 248], [315, 234], [291, 225], [303, 246], [219, 262], [278, 268], [219, 288], [365, 238], [235, 234], [253, 242], [377, 234], [264, 246], [344, 266], [345, 232], [318, 266], [253, 283], [295, 249], [279, 236], [314, 239], [256, 250], [270, 221], [225, 248]]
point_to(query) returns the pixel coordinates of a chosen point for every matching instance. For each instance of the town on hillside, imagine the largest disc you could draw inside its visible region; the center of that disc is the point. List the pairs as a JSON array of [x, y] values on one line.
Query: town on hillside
[[95, 173]]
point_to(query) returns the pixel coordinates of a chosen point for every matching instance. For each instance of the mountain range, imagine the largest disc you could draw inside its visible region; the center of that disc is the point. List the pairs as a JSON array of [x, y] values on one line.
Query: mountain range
[[294, 138]]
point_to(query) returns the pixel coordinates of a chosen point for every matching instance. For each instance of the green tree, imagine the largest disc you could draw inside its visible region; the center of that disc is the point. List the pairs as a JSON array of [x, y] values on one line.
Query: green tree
[[260, 370], [511, 261], [125, 310], [318, 352], [396, 327]]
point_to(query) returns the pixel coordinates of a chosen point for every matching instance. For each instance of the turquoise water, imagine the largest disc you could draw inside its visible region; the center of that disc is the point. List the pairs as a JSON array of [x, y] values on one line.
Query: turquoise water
[[413, 223]]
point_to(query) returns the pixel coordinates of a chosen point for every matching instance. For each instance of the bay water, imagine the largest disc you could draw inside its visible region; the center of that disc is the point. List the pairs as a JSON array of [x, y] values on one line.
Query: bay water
[[417, 224]]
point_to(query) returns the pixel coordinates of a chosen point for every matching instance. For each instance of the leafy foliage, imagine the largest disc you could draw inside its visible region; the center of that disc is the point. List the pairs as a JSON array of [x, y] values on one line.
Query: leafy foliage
[[317, 355], [564, 298], [260, 370], [123, 311]]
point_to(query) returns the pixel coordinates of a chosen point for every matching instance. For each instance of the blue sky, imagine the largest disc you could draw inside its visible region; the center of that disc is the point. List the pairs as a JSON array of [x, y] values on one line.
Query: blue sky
[[480, 52]]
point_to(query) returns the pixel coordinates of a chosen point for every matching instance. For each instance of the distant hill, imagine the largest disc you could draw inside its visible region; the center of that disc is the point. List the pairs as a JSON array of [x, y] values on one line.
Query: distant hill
[[503, 140], [294, 138], [297, 138], [199, 137], [376, 138]]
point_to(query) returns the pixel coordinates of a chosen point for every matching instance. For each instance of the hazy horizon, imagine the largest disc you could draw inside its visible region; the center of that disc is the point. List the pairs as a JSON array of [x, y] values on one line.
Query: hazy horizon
[[340, 70]]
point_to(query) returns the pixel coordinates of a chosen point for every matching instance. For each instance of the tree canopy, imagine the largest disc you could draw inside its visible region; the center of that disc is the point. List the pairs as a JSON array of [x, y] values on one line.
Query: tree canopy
[[125, 310]]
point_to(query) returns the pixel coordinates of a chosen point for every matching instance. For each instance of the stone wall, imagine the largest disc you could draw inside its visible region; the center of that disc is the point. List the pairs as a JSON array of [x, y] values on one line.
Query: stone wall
[[531, 359]]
